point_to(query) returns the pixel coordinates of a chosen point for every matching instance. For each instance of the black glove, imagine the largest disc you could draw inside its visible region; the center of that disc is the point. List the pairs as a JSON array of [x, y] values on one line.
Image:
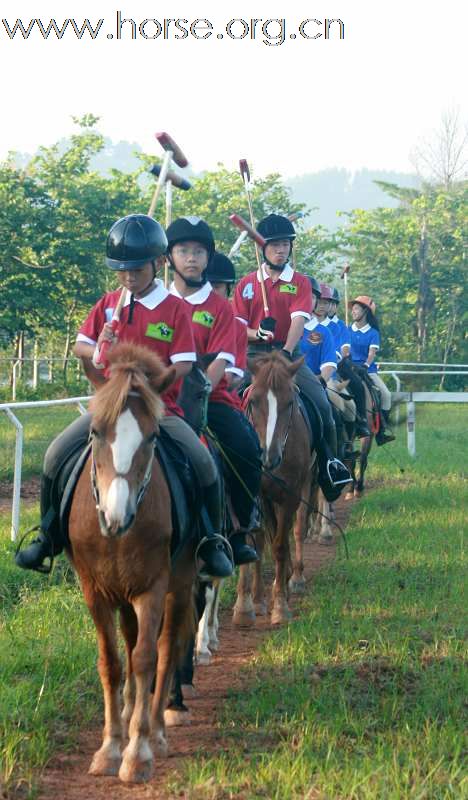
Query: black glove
[[323, 382], [266, 329]]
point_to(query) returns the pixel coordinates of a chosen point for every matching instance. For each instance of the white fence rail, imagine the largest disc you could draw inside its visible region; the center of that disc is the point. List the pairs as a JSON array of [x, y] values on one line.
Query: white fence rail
[[411, 398], [7, 408]]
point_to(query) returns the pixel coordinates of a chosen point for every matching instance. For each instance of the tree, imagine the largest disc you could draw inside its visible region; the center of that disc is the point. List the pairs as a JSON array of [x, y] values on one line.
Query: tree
[[442, 159]]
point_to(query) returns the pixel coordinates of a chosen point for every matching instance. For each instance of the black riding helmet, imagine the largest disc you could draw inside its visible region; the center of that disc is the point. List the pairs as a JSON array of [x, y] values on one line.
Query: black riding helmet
[[190, 229], [336, 295], [221, 270], [273, 228], [315, 286], [133, 241]]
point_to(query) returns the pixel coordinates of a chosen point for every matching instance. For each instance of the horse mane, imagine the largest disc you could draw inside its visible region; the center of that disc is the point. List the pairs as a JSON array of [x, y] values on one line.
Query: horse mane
[[132, 368], [273, 371]]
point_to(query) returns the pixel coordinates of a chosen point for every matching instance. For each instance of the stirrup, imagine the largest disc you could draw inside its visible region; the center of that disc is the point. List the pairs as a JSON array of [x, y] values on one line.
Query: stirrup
[[212, 538], [43, 569], [343, 480]]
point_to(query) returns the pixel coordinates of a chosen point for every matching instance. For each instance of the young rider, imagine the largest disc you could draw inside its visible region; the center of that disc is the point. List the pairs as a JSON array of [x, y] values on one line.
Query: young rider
[[190, 250], [222, 276], [362, 343], [290, 303], [154, 318]]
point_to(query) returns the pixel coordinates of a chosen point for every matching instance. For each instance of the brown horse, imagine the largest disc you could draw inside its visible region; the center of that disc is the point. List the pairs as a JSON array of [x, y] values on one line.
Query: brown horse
[[120, 542], [273, 407], [357, 487]]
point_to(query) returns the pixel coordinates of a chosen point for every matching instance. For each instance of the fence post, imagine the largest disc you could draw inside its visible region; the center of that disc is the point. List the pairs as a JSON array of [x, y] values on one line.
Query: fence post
[[35, 364], [411, 427], [15, 511], [398, 388]]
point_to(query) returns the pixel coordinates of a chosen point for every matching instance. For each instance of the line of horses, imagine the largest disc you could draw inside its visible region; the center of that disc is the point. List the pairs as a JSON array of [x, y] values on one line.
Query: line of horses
[[120, 530]]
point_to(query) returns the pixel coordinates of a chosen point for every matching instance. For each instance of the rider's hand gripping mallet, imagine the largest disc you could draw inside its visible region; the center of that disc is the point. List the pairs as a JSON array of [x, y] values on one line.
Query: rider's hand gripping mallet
[[260, 241], [101, 357]]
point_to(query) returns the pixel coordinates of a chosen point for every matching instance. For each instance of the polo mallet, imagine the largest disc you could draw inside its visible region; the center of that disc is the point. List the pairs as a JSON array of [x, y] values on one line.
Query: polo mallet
[[344, 276], [237, 244], [101, 357], [245, 175], [166, 176], [241, 223]]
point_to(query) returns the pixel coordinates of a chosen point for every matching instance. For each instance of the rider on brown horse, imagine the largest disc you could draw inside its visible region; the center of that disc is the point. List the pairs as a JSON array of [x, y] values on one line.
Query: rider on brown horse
[[151, 316], [290, 303], [190, 250]]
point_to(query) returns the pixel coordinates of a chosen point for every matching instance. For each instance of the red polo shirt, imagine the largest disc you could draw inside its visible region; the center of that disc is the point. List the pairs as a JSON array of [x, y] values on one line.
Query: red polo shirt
[[214, 332], [289, 297], [160, 322]]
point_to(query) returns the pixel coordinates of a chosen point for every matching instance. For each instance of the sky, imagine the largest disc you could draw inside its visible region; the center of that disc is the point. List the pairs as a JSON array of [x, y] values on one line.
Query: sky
[[292, 105]]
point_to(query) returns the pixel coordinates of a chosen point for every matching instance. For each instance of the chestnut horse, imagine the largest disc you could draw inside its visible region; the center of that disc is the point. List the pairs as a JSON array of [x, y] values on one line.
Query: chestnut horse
[[120, 533], [273, 407]]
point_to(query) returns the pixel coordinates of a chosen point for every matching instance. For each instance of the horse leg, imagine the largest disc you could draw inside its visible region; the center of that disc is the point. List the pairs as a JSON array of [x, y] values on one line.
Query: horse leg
[[137, 762], [129, 628], [203, 652], [297, 581], [172, 646], [244, 612], [280, 611], [213, 621], [107, 760], [259, 593], [363, 458]]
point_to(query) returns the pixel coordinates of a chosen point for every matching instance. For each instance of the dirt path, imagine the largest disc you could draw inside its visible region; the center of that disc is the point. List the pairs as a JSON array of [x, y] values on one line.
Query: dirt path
[[29, 493], [66, 777]]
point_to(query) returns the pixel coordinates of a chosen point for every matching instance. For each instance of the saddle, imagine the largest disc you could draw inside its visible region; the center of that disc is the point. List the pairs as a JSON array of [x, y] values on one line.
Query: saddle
[[178, 472]]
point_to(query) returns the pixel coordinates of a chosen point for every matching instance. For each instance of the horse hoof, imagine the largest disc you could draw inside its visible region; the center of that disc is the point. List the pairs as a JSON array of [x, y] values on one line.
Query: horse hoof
[[326, 539], [261, 609], [357, 493], [349, 496], [214, 644], [203, 659], [243, 619], [189, 691], [280, 616], [161, 747], [175, 717], [105, 765], [133, 771], [297, 586]]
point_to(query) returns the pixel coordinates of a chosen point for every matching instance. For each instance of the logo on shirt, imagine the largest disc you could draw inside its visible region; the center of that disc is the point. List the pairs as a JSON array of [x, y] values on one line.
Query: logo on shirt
[[161, 331], [314, 338], [289, 288], [203, 318], [248, 291]]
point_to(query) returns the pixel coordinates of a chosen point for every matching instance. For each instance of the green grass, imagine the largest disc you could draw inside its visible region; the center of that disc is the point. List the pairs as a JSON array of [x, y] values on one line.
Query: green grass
[[362, 697], [40, 426], [365, 695]]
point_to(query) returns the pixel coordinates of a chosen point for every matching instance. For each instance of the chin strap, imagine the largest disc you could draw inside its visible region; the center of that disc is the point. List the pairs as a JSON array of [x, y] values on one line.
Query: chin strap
[[193, 284], [275, 266]]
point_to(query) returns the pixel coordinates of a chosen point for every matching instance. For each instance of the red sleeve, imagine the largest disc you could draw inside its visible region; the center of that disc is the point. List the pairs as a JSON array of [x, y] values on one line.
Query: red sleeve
[[222, 337], [183, 343], [95, 321], [240, 305], [303, 299]]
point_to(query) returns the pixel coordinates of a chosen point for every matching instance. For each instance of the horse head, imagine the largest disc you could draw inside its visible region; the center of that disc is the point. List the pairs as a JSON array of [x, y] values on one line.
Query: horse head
[[272, 399], [125, 416]]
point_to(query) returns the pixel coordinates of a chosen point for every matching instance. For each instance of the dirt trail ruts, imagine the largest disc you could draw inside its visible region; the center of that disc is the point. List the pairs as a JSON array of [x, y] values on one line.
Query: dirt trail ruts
[[66, 777]]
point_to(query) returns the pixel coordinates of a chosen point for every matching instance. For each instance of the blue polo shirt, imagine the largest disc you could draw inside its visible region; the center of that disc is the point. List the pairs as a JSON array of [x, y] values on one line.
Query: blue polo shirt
[[360, 340], [339, 330], [318, 346]]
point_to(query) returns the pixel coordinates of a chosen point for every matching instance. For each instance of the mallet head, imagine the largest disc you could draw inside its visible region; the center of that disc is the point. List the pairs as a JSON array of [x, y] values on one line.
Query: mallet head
[[173, 177], [168, 143]]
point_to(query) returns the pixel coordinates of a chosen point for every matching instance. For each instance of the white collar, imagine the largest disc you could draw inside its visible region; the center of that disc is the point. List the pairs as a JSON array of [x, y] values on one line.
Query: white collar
[[325, 322], [151, 300], [366, 328], [334, 319], [286, 274], [312, 324], [200, 296]]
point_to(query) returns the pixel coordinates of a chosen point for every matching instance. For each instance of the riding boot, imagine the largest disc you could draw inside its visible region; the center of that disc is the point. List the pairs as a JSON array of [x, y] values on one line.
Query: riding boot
[[49, 541], [213, 547], [242, 552], [384, 434], [350, 429], [333, 474]]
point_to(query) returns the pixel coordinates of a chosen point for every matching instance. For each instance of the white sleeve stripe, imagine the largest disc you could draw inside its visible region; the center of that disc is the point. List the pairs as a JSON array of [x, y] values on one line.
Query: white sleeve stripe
[[244, 321], [176, 357], [346, 344], [227, 357], [82, 338], [236, 371], [300, 314], [374, 346], [328, 364]]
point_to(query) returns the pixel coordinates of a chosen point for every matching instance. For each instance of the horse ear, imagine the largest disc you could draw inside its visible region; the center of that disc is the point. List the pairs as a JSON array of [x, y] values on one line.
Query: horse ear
[[162, 381], [293, 368]]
